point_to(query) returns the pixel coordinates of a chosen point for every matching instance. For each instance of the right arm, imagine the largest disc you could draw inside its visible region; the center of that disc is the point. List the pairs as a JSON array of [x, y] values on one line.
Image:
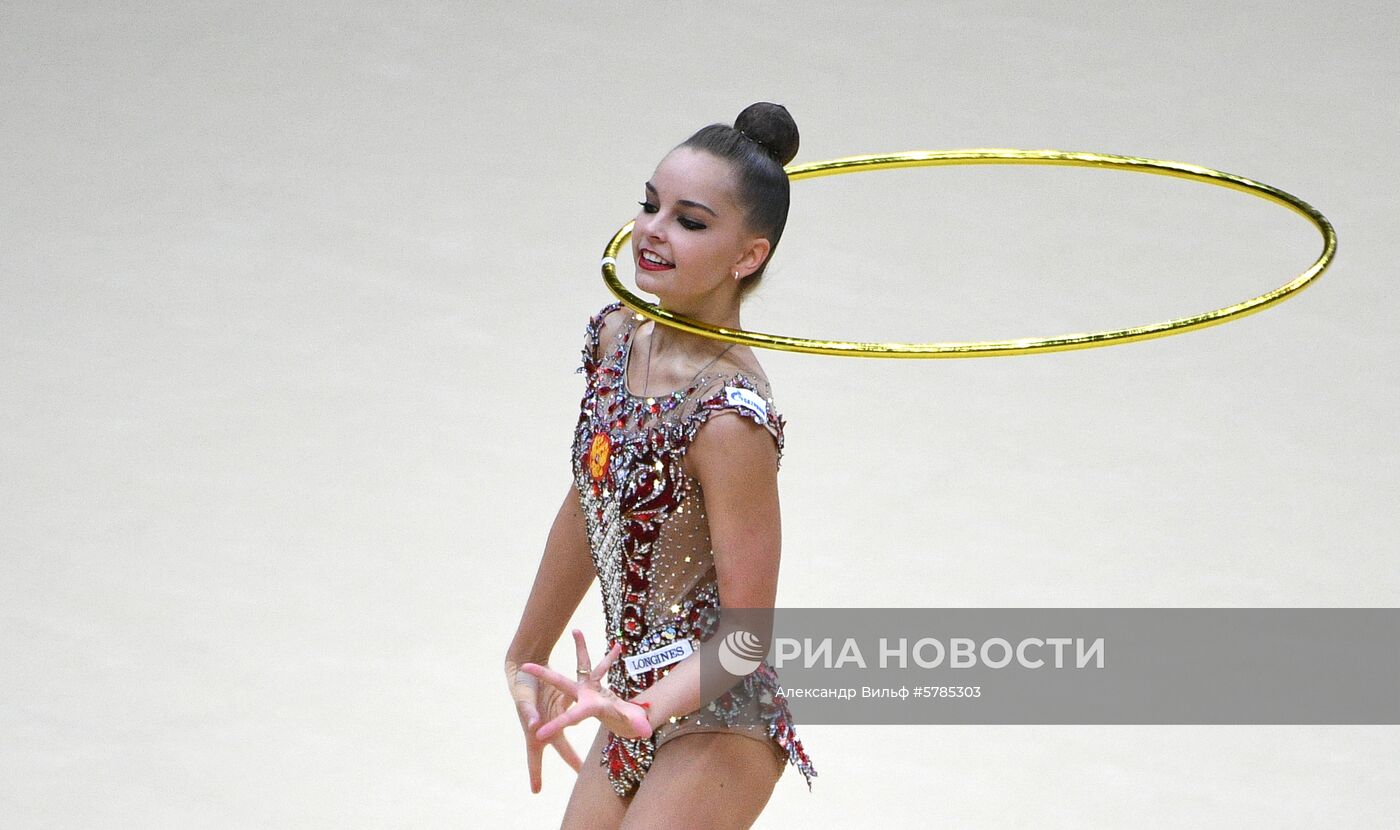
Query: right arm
[[566, 570], [565, 573]]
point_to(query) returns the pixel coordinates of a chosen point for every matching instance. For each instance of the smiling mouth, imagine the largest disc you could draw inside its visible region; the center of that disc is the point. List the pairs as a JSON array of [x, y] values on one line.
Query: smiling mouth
[[645, 260]]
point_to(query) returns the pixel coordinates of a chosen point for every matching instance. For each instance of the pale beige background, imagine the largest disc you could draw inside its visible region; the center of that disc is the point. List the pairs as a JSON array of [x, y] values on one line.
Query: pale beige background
[[291, 296]]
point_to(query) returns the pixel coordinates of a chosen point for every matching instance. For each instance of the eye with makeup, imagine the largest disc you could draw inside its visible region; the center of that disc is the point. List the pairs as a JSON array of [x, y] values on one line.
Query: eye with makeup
[[689, 224]]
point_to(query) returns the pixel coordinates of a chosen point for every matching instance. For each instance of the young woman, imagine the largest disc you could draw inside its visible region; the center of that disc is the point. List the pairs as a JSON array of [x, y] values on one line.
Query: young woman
[[674, 508]]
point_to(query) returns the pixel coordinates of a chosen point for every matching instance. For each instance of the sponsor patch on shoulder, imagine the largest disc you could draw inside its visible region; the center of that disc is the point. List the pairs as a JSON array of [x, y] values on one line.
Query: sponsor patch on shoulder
[[746, 399]]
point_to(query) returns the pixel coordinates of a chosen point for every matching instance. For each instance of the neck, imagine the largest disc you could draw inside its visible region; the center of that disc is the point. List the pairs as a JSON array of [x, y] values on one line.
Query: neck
[[667, 340]]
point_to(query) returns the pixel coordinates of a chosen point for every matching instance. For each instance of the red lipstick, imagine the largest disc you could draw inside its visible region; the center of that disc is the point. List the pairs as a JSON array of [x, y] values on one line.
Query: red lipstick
[[651, 266]]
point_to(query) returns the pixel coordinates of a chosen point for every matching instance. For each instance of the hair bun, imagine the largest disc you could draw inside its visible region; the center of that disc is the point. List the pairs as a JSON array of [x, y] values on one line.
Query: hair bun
[[772, 128]]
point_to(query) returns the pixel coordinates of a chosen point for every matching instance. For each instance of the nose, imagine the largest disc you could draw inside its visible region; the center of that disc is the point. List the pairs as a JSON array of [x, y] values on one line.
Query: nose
[[649, 229]]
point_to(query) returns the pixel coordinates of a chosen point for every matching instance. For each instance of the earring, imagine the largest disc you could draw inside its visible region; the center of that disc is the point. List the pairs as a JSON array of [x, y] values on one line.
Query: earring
[[736, 275]]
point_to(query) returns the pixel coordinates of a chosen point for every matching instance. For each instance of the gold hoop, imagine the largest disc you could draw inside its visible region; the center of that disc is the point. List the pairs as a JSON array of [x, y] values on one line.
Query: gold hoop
[[990, 348]]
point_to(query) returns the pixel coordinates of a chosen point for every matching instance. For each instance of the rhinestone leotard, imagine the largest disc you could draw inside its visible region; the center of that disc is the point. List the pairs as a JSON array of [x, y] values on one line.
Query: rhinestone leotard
[[650, 541]]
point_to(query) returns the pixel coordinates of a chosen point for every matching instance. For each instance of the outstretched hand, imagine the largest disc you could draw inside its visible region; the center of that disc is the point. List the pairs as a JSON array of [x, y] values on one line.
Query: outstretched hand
[[591, 698]]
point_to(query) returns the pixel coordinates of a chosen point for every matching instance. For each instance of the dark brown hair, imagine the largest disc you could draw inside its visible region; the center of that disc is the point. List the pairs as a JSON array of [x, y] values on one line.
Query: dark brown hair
[[761, 142]]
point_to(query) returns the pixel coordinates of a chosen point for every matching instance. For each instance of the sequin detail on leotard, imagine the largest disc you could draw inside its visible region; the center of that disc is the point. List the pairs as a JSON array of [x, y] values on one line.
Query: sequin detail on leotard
[[649, 538]]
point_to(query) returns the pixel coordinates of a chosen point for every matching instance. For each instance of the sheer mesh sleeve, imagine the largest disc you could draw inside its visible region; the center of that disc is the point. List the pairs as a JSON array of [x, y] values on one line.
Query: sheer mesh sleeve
[[741, 393], [592, 334]]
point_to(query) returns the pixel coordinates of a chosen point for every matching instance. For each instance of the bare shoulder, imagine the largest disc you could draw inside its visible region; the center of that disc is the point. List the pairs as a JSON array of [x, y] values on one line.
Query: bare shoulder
[[741, 360]]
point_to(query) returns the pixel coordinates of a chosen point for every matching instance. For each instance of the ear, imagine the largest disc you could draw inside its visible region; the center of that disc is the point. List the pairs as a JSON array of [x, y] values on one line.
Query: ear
[[753, 256]]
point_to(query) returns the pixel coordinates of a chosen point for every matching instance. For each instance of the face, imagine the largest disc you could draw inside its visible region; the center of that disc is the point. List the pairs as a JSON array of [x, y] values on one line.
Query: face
[[690, 219]]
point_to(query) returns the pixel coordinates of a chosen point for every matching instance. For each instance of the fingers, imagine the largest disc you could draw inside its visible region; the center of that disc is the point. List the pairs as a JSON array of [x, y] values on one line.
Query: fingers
[[602, 670], [566, 751], [529, 715], [571, 716], [530, 718], [545, 673], [583, 660], [534, 752]]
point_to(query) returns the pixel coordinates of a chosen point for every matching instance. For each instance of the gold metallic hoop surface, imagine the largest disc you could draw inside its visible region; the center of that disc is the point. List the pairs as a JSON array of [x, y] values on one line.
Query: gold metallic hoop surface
[[991, 348]]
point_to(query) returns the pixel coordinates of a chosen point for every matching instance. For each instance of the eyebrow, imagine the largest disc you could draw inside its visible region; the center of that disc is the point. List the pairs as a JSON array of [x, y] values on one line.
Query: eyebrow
[[685, 201]]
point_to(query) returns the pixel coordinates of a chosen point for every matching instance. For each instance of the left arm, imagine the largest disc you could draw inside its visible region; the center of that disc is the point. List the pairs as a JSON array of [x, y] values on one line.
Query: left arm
[[736, 463]]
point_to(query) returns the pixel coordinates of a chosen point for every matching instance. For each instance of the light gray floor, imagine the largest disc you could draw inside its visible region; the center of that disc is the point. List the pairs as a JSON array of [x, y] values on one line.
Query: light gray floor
[[291, 296]]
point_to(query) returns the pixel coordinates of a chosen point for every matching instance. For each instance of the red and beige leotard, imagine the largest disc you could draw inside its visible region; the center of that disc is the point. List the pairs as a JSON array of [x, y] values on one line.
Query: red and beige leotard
[[650, 541]]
